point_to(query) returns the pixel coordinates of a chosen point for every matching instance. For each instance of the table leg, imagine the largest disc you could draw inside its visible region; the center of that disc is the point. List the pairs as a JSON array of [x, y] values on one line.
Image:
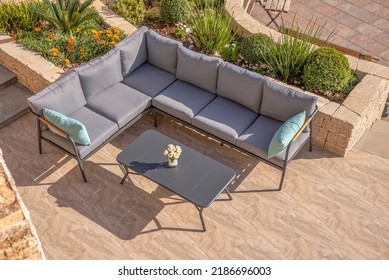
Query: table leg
[[228, 193], [125, 175], [202, 218]]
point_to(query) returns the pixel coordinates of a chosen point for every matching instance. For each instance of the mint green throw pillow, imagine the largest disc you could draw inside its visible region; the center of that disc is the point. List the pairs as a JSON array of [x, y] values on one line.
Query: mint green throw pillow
[[74, 128], [285, 134]]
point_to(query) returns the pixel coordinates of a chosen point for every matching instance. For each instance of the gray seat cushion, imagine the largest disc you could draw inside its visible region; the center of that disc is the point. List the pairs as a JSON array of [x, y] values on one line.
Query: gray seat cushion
[[149, 79], [257, 137], [282, 103], [119, 103], [162, 51], [182, 100], [100, 73], [133, 50], [197, 69], [224, 119], [98, 127], [240, 85], [64, 96]]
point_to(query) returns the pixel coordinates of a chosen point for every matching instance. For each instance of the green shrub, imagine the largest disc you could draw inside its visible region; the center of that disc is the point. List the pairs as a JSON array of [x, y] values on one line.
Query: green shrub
[[327, 70], [179, 33], [255, 46], [211, 29], [287, 58], [132, 10], [230, 52], [174, 11], [17, 16], [67, 15]]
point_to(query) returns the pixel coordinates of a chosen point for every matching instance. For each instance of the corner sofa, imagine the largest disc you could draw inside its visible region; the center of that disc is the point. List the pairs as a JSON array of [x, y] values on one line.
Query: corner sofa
[[147, 72]]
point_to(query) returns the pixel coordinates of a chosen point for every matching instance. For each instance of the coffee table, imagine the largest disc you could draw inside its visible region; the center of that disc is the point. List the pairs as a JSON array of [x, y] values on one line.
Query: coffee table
[[197, 178]]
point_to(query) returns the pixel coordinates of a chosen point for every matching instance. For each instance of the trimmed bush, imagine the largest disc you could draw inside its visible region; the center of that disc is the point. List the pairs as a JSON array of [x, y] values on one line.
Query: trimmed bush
[[255, 47], [327, 70], [174, 11], [132, 10]]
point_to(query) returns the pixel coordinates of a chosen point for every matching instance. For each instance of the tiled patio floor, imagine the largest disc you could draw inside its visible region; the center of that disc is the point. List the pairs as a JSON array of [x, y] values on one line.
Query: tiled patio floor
[[362, 25], [330, 207]]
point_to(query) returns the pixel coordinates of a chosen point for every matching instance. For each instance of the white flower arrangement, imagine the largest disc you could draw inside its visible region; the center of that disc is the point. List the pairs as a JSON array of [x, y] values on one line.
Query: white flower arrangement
[[173, 152]]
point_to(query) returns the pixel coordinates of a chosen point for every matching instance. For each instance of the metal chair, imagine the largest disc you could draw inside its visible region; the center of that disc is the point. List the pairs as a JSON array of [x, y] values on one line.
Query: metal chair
[[280, 6]]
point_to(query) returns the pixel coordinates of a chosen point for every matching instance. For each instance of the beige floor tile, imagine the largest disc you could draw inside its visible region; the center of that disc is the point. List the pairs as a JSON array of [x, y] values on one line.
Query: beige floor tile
[[329, 208]]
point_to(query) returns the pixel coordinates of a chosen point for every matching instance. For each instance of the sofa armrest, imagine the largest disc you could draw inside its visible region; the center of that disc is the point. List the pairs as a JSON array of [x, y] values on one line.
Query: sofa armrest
[[301, 129], [307, 122], [60, 131]]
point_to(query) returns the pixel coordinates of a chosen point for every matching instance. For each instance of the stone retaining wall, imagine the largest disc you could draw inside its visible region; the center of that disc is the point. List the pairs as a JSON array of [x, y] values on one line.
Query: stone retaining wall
[[18, 238], [336, 127]]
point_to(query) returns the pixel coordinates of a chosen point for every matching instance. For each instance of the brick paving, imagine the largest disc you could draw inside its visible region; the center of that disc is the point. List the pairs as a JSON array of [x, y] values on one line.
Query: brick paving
[[362, 25]]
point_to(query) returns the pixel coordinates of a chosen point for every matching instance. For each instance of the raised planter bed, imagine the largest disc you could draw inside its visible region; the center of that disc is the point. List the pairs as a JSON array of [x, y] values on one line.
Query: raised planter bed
[[337, 127]]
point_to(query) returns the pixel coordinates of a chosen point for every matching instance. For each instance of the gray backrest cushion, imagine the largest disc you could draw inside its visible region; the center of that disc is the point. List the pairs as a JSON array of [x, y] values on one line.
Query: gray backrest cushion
[[64, 96], [281, 103], [240, 85], [133, 50], [162, 51], [100, 73], [197, 69]]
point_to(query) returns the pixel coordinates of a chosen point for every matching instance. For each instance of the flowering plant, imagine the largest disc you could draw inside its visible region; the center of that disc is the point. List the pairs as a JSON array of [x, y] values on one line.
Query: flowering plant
[[173, 152]]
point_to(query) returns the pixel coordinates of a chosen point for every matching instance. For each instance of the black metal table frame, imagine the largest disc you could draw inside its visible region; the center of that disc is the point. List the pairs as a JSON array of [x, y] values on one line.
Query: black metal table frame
[[199, 208]]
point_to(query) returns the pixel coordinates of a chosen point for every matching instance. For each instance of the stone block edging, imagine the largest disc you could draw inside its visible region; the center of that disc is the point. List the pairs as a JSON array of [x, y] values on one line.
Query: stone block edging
[[337, 127]]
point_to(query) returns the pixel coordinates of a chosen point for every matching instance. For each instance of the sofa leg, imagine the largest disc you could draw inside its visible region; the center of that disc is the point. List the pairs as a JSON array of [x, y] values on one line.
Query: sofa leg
[[282, 179], [82, 170], [155, 118], [310, 144], [40, 145], [39, 136]]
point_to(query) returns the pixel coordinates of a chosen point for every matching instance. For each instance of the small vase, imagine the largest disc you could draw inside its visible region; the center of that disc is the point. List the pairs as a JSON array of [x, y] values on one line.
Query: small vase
[[173, 163]]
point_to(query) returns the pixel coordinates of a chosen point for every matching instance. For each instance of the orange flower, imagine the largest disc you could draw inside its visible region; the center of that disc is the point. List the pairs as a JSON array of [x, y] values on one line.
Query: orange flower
[[116, 37], [67, 61], [116, 30], [37, 29], [69, 48], [113, 43], [54, 51], [108, 32], [71, 40], [97, 36], [103, 43], [13, 37], [109, 35], [52, 36]]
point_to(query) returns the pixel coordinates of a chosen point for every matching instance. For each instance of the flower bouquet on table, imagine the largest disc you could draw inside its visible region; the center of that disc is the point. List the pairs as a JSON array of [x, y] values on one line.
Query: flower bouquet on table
[[173, 153]]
